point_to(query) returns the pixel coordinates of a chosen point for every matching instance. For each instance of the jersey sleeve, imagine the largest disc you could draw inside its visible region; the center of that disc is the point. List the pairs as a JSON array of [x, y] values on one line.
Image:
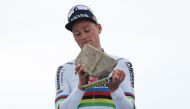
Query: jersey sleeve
[[64, 96], [124, 97]]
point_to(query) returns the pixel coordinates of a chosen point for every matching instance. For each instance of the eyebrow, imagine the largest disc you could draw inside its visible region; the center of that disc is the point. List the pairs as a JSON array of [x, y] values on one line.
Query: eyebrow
[[86, 26], [82, 28]]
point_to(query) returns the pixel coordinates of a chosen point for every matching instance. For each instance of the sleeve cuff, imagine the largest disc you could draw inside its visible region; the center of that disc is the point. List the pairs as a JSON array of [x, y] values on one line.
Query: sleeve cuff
[[77, 94], [117, 94]]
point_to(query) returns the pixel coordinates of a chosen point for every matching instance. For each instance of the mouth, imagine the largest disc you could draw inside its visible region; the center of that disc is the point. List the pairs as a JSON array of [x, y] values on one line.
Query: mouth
[[86, 42]]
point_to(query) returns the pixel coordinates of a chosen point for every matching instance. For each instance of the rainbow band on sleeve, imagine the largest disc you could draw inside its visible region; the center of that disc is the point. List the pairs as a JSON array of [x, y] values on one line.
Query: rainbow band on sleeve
[[131, 97], [58, 101]]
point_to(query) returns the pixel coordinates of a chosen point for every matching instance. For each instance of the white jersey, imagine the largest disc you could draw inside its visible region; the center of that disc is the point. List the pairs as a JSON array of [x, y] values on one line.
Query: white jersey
[[68, 96]]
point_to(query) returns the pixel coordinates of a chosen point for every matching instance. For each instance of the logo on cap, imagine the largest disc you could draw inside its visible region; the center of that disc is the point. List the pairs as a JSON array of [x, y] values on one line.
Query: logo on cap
[[76, 8], [79, 12], [79, 16]]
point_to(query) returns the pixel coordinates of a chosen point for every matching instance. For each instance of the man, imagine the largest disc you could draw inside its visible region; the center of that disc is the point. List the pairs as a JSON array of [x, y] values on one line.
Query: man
[[118, 94]]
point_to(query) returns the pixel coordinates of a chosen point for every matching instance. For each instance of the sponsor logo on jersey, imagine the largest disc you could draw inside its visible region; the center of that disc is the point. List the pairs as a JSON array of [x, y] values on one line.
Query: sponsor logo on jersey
[[129, 65], [60, 91], [58, 77]]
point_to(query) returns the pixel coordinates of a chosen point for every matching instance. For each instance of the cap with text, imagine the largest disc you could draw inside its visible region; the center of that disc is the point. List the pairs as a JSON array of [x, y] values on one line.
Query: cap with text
[[77, 13]]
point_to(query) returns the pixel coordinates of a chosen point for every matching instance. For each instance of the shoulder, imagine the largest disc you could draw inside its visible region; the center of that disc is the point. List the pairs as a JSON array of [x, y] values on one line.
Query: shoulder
[[123, 63], [69, 66]]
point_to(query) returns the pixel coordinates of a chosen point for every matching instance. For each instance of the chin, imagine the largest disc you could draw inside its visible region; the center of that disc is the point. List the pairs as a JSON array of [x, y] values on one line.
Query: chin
[[88, 44], [82, 45]]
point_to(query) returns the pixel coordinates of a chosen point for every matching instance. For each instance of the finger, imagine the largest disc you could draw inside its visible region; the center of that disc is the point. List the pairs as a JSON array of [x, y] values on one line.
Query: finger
[[119, 73], [80, 71], [116, 76], [122, 75], [113, 76], [77, 67]]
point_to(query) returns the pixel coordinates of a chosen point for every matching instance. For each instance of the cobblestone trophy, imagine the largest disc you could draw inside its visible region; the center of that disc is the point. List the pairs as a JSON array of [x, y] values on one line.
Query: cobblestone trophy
[[97, 64]]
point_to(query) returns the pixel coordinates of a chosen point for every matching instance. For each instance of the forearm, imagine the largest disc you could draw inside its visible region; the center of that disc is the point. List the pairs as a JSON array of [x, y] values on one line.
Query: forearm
[[121, 101], [72, 101]]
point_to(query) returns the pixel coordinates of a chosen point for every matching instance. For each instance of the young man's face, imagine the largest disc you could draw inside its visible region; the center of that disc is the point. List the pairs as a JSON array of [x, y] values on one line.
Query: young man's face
[[86, 32]]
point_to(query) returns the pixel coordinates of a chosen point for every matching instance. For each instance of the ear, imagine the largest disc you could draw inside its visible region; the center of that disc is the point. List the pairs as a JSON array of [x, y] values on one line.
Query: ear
[[99, 28]]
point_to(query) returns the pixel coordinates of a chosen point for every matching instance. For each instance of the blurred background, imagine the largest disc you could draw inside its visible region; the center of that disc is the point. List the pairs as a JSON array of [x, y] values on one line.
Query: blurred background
[[153, 35]]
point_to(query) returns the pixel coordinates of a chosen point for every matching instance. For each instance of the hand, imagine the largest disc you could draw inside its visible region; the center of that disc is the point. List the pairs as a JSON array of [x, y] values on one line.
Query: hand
[[83, 76], [117, 77]]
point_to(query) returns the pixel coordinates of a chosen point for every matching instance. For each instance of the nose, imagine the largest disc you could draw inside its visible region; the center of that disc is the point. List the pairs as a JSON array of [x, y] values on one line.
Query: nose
[[84, 36]]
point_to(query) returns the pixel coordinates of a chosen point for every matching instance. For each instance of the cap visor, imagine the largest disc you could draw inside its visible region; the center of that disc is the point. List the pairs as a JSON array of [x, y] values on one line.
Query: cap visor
[[70, 24]]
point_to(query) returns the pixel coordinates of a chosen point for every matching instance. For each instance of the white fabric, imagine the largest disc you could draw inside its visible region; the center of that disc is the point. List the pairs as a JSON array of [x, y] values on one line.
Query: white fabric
[[67, 85]]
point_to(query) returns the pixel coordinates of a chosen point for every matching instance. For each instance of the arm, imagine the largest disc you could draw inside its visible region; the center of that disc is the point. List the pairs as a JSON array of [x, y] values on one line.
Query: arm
[[70, 102], [121, 100], [65, 99], [121, 88]]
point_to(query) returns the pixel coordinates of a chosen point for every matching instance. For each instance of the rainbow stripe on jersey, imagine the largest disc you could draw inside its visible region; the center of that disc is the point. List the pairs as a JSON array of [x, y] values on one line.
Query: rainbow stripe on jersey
[[97, 96]]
